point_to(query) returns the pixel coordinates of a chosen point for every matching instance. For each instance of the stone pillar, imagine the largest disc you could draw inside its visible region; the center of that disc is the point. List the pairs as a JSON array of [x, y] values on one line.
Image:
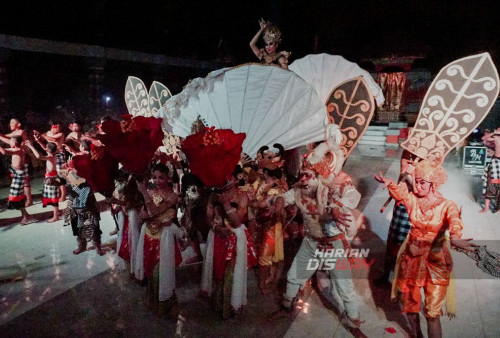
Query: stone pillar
[[4, 81]]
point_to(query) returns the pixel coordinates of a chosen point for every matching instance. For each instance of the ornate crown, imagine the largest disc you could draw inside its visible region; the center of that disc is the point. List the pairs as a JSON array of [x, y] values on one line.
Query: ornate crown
[[272, 34]]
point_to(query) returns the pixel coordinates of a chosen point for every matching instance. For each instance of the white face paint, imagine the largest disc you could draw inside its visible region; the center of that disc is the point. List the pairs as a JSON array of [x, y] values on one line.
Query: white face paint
[[308, 180], [192, 192]]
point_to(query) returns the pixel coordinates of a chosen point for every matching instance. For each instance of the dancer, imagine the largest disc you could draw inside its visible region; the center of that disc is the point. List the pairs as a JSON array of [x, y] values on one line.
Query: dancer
[[491, 176], [272, 38], [270, 215], [400, 222], [326, 198], [230, 251], [82, 212], [57, 136], [73, 139], [16, 130], [157, 252], [424, 260], [194, 210], [51, 192], [17, 197], [129, 218]]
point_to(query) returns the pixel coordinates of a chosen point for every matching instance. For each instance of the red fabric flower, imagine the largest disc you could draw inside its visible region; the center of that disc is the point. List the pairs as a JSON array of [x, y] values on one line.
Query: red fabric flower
[[100, 172], [390, 329], [213, 155], [133, 141]]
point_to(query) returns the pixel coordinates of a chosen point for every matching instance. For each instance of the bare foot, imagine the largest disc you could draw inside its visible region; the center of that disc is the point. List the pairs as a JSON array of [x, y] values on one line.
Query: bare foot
[[78, 251], [53, 219], [483, 211], [112, 233], [26, 221], [28, 204]]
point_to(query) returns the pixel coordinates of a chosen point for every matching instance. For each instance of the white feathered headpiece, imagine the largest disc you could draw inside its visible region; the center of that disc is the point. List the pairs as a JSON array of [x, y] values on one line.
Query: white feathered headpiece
[[327, 158]]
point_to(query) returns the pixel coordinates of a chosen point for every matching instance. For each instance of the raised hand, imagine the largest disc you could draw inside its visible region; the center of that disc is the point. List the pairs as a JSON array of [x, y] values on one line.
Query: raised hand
[[464, 244], [385, 180], [263, 23]]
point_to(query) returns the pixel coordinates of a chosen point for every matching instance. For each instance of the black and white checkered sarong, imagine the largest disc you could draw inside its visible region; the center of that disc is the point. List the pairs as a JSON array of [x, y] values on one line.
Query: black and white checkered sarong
[[16, 193], [400, 224], [51, 192], [491, 172]]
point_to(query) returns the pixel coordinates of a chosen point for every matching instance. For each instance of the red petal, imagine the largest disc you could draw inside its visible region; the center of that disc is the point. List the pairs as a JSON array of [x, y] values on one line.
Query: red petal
[[390, 329]]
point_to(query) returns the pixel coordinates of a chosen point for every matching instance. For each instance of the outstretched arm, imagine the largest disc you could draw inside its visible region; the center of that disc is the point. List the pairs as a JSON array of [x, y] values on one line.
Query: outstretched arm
[[253, 42], [38, 139], [4, 138], [32, 148], [54, 138]]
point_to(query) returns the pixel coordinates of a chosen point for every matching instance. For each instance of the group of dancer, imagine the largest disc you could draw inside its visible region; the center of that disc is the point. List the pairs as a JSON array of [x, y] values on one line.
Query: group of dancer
[[169, 216]]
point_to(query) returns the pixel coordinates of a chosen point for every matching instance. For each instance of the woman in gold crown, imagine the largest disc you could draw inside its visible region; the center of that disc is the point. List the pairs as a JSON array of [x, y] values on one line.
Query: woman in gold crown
[[424, 259], [272, 38]]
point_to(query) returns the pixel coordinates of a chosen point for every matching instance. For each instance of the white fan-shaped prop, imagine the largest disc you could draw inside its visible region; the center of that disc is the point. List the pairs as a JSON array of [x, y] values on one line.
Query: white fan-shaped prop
[[139, 102], [269, 104], [325, 72]]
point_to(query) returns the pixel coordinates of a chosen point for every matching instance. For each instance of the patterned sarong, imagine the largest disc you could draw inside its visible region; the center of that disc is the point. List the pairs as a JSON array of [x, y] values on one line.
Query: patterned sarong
[[492, 172], [400, 224], [51, 192], [16, 195]]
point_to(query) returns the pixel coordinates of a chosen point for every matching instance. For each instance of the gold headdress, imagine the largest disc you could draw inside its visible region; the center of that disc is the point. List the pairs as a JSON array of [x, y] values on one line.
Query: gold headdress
[[430, 172], [272, 34]]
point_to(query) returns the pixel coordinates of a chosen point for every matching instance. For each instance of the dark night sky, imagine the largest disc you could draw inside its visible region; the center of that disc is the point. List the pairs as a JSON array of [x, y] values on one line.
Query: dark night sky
[[356, 29], [440, 30]]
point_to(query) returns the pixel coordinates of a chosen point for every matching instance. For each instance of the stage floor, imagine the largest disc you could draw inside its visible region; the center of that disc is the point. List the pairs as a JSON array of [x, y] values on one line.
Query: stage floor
[[47, 291]]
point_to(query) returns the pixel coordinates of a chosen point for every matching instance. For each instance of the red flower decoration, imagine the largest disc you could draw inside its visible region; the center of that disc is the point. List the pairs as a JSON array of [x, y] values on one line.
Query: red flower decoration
[[390, 329], [213, 154], [99, 173], [133, 141]]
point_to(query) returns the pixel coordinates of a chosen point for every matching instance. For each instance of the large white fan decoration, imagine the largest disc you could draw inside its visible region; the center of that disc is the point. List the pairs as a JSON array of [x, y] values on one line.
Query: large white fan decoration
[[141, 103], [269, 104], [325, 72]]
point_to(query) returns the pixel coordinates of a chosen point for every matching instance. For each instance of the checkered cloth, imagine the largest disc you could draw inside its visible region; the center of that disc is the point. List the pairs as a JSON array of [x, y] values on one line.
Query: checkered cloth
[[51, 192], [80, 195], [492, 171], [400, 224], [16, 194], [27, 173]]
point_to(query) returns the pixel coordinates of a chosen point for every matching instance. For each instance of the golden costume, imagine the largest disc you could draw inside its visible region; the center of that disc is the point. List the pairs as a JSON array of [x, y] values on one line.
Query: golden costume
[[270, 236], [424, 259]]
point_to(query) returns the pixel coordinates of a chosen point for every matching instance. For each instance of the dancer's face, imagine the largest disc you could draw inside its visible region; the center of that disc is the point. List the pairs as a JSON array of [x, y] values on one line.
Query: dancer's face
[[308, 180], [14, 124], [160, 179], [422, 187], [75, 127], [271, 47]]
